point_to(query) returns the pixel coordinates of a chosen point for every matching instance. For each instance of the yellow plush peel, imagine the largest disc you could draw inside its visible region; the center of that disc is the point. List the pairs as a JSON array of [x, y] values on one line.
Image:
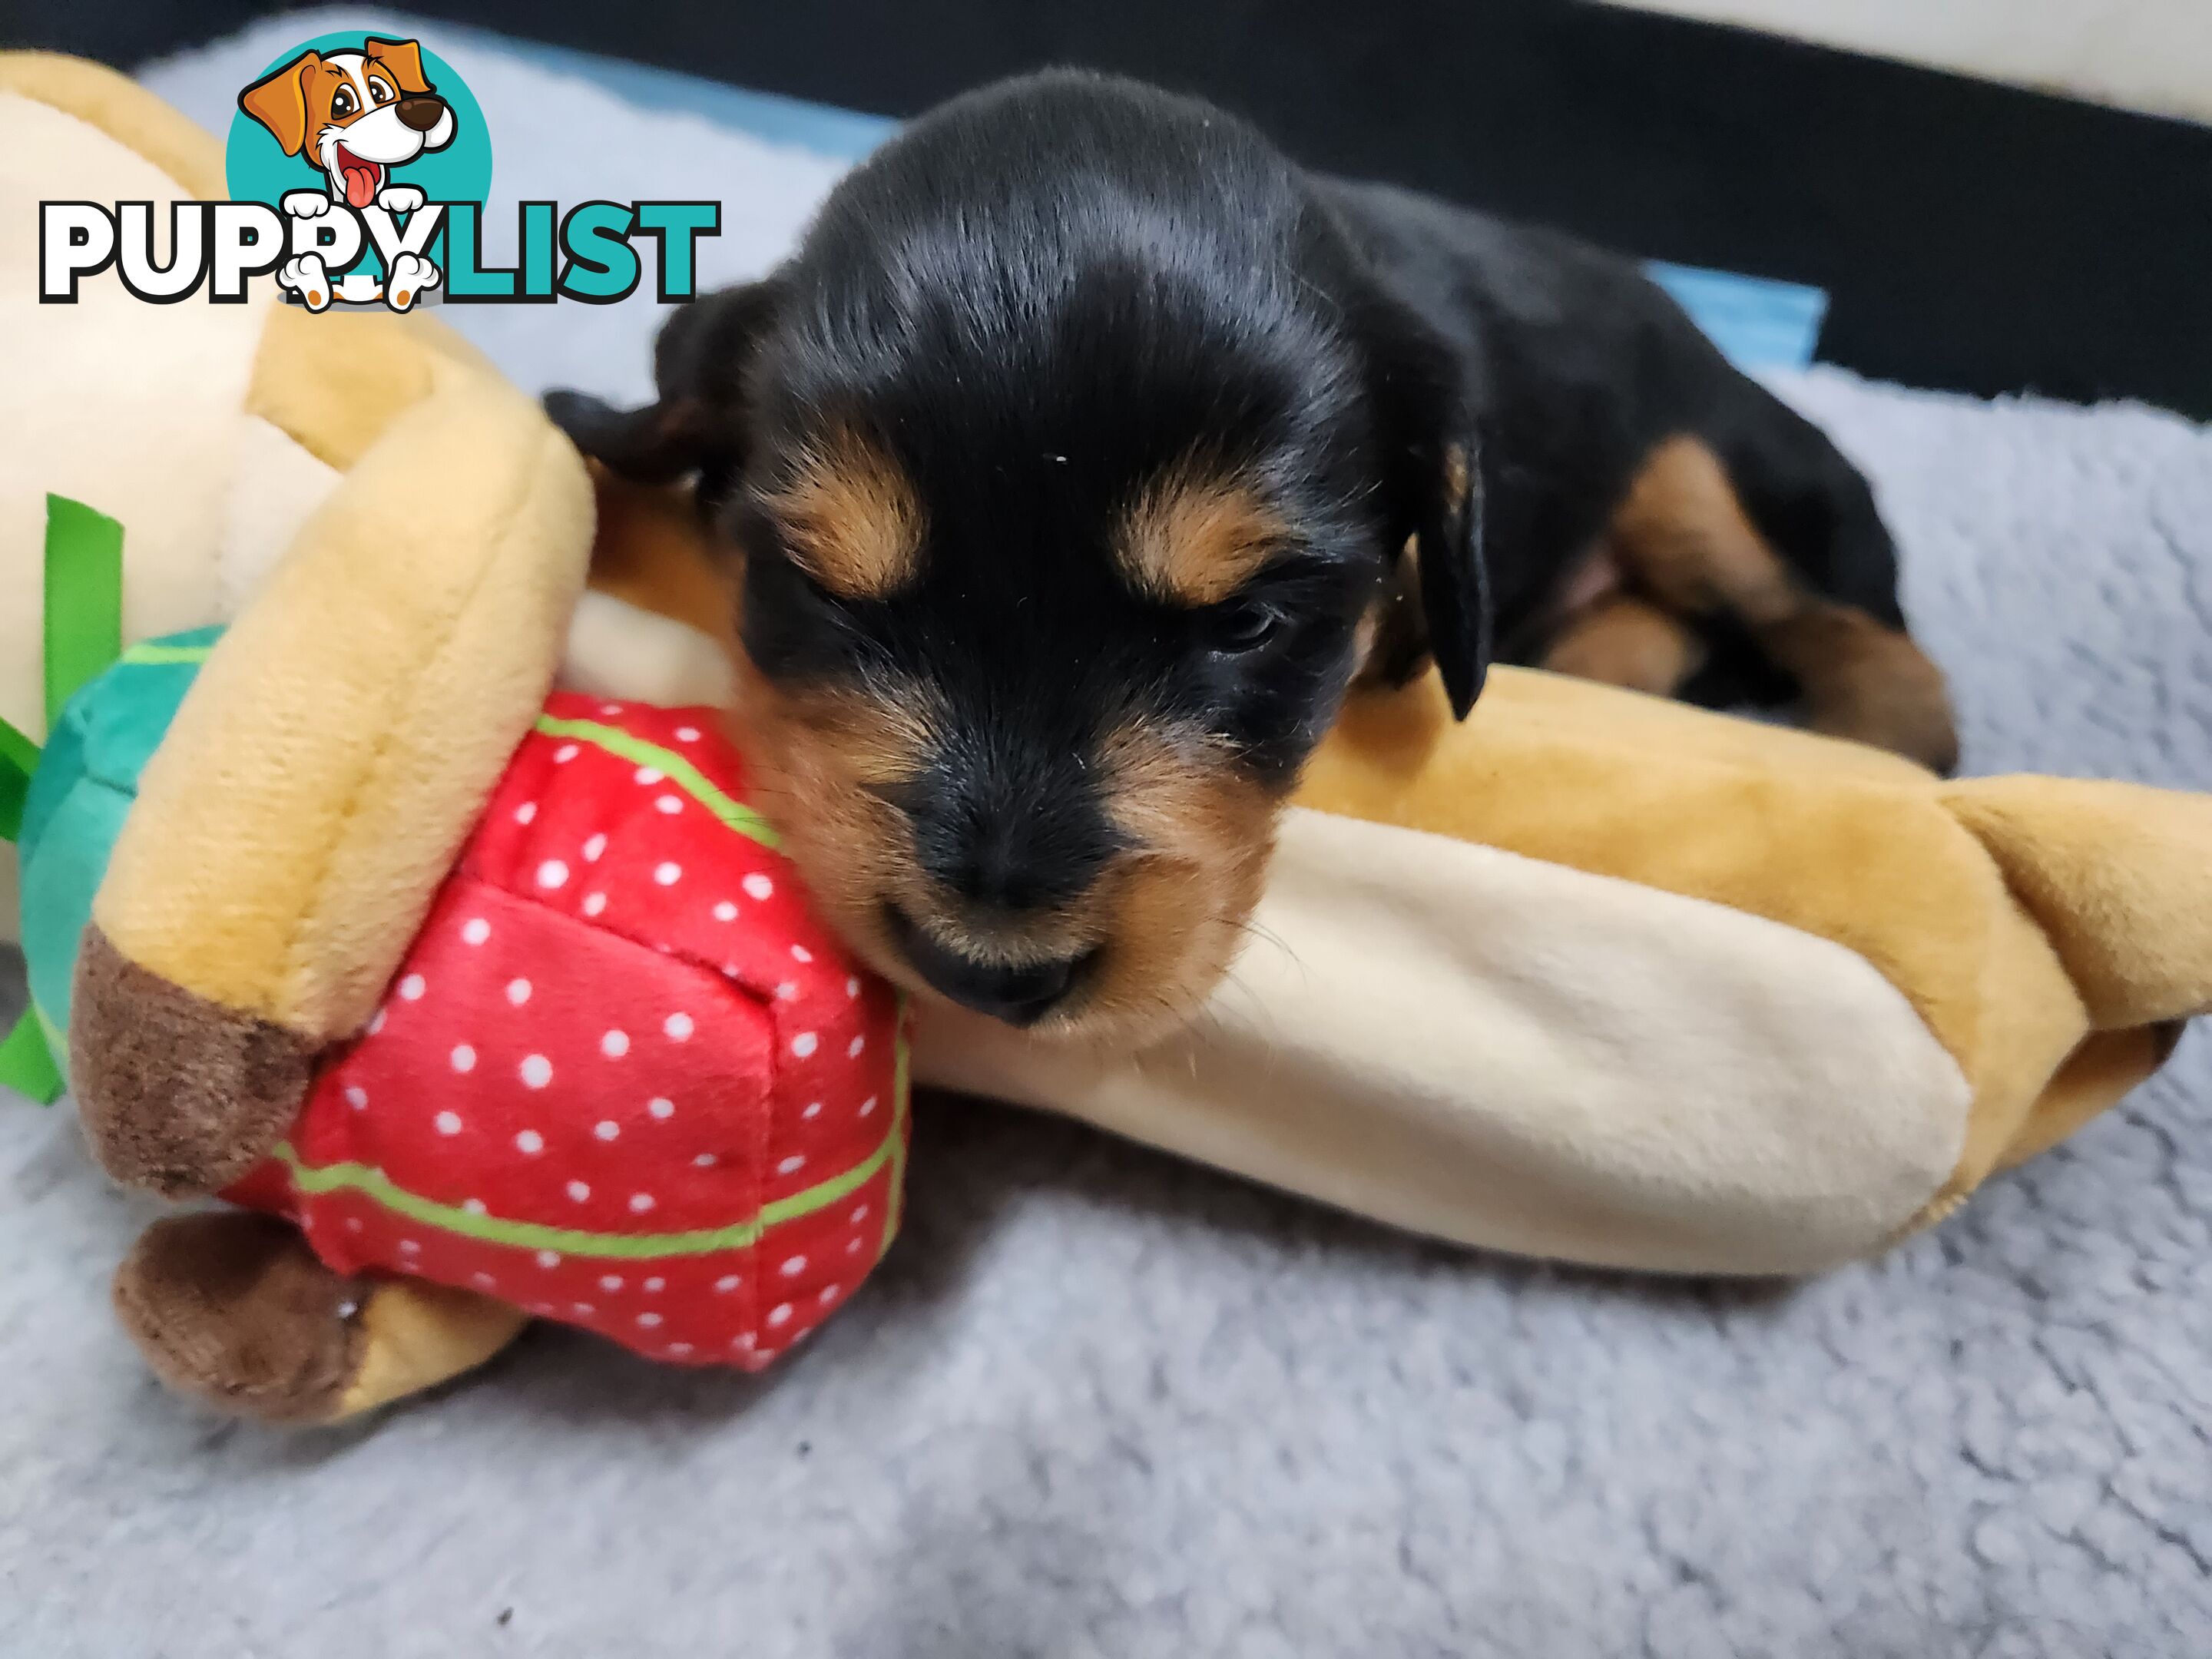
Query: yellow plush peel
[[416, 1335], [115, 104], [343, 735], [1995, 905]]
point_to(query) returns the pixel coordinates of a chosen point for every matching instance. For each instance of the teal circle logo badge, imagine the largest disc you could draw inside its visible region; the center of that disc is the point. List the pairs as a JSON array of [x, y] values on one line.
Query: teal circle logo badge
[[361, 143]]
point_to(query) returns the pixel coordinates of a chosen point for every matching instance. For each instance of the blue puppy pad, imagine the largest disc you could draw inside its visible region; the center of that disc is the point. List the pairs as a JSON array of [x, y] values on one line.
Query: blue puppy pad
[[1758, 322]]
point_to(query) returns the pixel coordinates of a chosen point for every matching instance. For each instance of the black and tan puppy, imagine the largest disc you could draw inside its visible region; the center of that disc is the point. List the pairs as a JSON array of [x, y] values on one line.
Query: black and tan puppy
[[1087, 450]]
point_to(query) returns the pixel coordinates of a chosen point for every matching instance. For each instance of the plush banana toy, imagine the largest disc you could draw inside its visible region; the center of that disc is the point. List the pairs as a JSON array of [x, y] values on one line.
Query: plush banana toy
[[1591, 977]]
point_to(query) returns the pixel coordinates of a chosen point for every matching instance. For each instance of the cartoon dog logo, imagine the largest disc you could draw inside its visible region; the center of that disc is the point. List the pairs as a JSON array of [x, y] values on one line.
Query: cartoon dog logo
[[357, 115]]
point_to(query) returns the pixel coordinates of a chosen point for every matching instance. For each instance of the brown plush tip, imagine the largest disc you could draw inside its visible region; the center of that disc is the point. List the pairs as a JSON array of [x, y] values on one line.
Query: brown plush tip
[[232, 1309], [179, 1095]]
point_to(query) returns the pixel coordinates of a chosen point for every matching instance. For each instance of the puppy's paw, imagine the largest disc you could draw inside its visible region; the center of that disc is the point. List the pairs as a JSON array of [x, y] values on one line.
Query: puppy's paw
[[399, 198], [411, 276], [307, 277], [358, 287], [305, 203]]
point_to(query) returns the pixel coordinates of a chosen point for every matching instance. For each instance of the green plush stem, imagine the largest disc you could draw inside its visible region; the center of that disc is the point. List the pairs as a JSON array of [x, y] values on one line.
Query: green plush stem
[[27, 1064], [84, 598], [19, 759]]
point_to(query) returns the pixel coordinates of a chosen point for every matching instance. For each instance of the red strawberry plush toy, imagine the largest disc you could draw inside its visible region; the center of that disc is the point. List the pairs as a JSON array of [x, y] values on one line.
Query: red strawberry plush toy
[[624, 1079], [479, 1006]]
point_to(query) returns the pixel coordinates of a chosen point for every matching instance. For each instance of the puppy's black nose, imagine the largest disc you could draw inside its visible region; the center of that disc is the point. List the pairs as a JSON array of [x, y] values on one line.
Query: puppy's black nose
[[1014, 851], [1019, 996], [421, 111], [1000, 867]]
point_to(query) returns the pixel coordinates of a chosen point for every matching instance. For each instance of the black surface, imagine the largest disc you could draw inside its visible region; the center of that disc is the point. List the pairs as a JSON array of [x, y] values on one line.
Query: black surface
[[1972, 236]]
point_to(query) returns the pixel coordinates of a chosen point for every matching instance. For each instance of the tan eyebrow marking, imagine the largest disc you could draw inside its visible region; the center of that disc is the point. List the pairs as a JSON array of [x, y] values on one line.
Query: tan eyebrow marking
[[1194, 539], [850, 515]]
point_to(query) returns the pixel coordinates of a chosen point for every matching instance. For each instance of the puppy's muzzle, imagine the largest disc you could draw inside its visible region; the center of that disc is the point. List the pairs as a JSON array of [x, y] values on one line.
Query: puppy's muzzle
[[1019, 995]]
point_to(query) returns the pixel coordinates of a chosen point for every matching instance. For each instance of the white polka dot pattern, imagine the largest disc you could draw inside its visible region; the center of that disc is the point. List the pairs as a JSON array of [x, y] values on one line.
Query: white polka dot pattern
[[574, 1078]]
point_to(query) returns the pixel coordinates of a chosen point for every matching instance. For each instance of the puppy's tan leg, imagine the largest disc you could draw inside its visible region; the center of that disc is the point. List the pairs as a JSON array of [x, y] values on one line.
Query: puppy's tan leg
[[1629, 643], [1682, 536], [1866, 682]]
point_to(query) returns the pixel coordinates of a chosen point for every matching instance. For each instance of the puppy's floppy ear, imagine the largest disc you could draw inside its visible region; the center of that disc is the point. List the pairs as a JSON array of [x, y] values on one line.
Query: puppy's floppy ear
[[698, 422], [655, 445], [403, 58], [279, 100], [1431, 461], [1455, 577]]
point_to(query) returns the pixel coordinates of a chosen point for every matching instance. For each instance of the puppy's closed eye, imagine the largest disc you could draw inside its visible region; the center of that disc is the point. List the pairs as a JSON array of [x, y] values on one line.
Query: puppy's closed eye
[[1239, 626]]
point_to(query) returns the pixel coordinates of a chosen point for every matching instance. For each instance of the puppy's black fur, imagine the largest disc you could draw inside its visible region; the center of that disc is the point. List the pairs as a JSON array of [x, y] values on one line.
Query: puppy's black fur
[[1577, 366], [1048, 300]]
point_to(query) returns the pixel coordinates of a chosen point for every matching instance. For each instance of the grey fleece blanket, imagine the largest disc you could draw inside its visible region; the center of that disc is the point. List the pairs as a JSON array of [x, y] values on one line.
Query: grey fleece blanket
[[1099, 1403]]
